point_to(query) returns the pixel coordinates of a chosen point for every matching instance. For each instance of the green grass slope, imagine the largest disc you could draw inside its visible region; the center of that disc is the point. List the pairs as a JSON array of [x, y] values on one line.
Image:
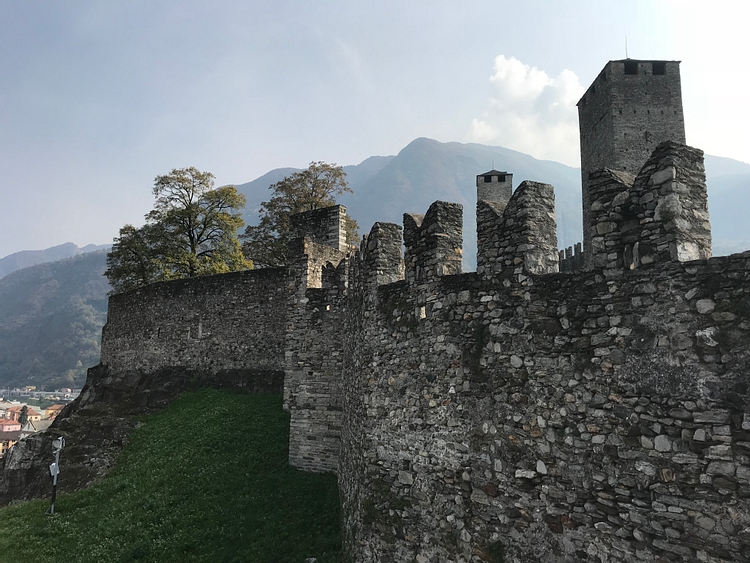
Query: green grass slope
[[204, 480]]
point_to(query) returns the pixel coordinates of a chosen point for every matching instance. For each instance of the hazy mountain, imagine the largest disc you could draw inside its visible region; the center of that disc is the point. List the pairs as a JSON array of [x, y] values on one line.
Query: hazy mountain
[[728, 203], [27, 258], [257, 190], [426, 170], [51, 316], [386, 187]]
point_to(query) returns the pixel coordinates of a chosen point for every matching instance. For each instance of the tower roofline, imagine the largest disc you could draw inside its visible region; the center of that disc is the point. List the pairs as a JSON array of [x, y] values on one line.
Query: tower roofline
[[643, 61], [627, 60]]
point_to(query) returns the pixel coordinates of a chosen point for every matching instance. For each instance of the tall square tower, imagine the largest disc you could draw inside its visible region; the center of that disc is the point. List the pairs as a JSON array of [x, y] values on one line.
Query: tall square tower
[[629, 109]]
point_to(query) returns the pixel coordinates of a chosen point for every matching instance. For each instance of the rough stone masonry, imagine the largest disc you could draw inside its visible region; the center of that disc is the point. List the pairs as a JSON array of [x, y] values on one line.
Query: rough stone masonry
[[516, 413]]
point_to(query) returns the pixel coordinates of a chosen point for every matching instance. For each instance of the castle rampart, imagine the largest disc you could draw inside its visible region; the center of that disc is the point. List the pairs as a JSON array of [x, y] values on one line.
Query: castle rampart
[[542, 408], [568, 417], [208, 323]]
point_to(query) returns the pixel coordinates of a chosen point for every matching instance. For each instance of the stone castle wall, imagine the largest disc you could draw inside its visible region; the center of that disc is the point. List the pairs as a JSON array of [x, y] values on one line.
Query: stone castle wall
[[229, 321], [599, 415], [568, 417], [266, 323]]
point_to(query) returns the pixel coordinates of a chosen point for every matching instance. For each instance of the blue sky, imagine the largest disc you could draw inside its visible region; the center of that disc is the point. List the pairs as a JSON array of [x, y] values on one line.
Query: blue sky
[[98, 98]]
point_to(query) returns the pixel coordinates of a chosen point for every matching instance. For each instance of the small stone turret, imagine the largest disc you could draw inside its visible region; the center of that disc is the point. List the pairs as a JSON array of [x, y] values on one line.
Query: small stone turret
[[326, 226], [494, 186], [319, 238]]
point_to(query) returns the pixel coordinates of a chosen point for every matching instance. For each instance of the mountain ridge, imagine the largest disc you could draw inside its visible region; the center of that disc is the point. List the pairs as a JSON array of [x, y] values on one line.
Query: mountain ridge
[[27, 258], [426, 170], [53, 311]]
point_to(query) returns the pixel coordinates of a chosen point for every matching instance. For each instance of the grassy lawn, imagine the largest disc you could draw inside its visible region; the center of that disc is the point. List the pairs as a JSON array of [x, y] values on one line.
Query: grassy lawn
[[204, 480]]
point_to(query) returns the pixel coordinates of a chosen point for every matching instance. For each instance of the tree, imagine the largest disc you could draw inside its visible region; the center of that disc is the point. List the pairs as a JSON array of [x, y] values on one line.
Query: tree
[[191, 231], [23, 416], [266, 244], [134, 260]]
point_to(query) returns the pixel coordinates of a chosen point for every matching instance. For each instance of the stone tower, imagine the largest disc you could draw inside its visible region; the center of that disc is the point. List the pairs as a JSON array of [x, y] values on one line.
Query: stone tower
[[629, 109], [494, 186]]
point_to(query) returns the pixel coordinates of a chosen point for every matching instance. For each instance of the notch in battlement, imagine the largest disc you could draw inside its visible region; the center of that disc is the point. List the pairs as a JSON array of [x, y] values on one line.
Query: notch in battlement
[[335, 276], [518, 236], [325, 226], [379, 260], [434, 242]]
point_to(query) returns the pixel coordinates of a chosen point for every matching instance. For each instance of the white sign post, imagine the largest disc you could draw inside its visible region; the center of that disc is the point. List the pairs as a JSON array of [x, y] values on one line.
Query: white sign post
[[54, 469]]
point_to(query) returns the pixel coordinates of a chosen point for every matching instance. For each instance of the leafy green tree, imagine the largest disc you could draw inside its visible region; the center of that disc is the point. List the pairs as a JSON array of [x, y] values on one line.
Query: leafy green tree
[[266, 244], [134, 259], [191, 231], [23, 416]]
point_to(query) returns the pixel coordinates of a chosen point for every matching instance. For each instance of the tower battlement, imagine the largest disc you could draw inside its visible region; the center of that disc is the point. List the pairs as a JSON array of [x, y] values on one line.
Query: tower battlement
[[630, 108]]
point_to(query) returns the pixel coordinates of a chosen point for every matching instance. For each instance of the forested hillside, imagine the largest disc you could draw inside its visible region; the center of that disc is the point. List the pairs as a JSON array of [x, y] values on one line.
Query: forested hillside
[[50, 321]]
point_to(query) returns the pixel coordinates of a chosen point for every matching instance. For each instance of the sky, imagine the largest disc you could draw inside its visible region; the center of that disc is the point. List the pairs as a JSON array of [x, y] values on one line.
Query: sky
[[98, 98]]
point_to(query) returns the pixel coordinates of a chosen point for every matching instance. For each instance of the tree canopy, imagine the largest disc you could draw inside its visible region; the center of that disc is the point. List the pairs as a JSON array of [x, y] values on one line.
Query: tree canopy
[[191, 231], [266, 244]]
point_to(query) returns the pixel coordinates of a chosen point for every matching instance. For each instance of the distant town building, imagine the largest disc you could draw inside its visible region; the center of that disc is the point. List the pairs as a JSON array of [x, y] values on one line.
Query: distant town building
[[52, 411], [33, 427], [14, 413], [9, 425]]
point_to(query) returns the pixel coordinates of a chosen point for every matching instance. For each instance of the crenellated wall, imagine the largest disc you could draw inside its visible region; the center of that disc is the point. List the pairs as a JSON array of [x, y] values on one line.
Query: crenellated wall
[[253, 324], [594, 414], [597, 413], [601, 415]]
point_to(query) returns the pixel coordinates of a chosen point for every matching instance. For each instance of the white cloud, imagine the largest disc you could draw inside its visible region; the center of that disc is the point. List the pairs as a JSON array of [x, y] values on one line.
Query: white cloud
[[531, 112], [481, 131]]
